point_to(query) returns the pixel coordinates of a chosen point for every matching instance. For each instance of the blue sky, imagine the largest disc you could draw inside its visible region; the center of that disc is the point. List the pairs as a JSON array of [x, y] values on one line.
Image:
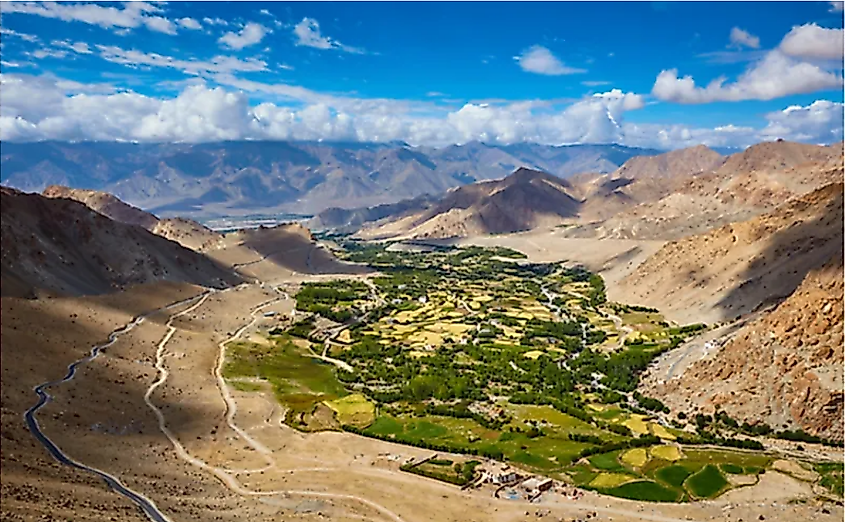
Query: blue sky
[[637, 73]]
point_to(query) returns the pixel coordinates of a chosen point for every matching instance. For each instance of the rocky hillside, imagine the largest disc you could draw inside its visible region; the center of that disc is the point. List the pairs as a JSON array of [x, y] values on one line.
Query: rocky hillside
[[302, 177], [61, 246], [733, 269], [526, 199], [747, 184], [186, 232], [784, 369]]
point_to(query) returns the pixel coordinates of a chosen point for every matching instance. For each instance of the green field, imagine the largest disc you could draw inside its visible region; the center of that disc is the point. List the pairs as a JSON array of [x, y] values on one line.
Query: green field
[[644, 490], [673, 475], [707, 483], [831, 477], [299, 382]]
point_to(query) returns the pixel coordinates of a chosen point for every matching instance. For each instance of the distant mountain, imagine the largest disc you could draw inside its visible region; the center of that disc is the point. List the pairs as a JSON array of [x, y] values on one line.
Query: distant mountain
[[229, 178], [61, 246], [524, 200]]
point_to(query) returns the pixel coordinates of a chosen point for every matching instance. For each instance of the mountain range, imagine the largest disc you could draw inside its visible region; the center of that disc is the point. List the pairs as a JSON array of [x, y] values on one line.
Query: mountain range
[[230, 178], [660, 197]]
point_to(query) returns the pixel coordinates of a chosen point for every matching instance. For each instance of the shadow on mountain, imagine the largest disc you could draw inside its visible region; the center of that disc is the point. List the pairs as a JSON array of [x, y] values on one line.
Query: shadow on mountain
[[797, 247], [99, 417], [61, 246], [291, 248]]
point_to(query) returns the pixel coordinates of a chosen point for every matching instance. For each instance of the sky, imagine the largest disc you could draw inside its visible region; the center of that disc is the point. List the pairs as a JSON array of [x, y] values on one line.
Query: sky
[[651, 74]]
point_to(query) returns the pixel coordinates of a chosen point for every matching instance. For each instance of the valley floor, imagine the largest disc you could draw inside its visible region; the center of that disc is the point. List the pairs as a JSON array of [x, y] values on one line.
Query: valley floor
[[154, 411]]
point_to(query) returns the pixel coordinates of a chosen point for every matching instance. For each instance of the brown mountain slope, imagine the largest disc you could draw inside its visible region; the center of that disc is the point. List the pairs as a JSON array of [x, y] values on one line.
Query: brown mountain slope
[[62, 246], [104, 203], [682, 162], [186, 232], [777, 155], [524, 200], [733, 269], [671, 208], [784, 369]]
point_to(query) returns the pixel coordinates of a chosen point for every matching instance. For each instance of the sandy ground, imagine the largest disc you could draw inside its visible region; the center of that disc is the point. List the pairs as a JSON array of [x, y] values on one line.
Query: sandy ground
[[255, 468], [613, 258]]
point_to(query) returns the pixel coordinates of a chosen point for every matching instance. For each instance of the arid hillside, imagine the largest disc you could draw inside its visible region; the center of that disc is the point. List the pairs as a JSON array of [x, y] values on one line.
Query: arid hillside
[[784, 369], [671, 207], [186, 232], [524, 200], [736, 268], [62, 246]]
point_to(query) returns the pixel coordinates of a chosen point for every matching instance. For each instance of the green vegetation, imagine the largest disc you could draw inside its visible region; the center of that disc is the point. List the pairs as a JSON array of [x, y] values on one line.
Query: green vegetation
[[731, 468], [831, 477], [644, 490], [673, 475], [707, 482], [467, 351], [299, 382]]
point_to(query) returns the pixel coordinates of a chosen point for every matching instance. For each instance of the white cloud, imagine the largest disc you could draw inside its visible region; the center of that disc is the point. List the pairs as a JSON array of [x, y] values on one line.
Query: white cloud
[[218, 64], [811, 42], [77, 47], [774, 76], [133, 14], [23, 36], [45, 107], [595, 83], [819, 122], [539, 60], [742, 38], [792, 68], [215, 21], [251, 34], [836, 7], [308, 34], [189, 23], [46, 52]]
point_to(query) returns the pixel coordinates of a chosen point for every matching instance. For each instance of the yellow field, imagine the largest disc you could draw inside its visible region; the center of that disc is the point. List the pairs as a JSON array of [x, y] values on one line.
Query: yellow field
[[353, 409], [610, 480], [345, 337], [597, 407], [636, 457], [660, 431], [533, 354], [671, 453], [636, 424]]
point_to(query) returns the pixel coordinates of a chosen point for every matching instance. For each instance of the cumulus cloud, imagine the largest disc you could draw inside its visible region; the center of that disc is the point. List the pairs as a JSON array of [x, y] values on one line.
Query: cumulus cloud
[[539, 60], [811, 42], [131, 16], [789, 69], [742, 38], [836, 7], [251, 34], [46, 107], [774, 76], [308, 34], [819, 122], [189, 23]]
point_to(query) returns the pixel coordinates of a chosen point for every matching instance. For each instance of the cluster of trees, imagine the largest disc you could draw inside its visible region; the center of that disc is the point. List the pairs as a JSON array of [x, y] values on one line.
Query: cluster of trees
[[331, 300], [649, 403], [588, 439], [802, 436]]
